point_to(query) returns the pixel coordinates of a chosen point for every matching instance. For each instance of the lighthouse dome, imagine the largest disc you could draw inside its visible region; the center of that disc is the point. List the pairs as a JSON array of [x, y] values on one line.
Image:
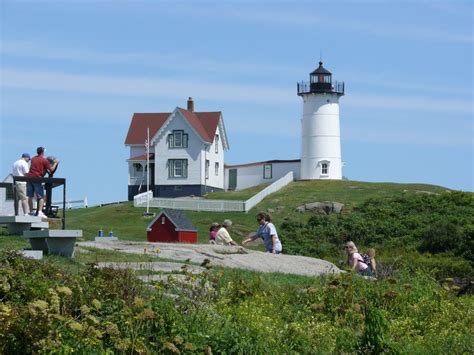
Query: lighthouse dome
[[321, 70]]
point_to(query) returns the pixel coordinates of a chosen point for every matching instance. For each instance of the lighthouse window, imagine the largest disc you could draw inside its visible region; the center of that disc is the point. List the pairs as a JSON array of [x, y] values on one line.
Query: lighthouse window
[[324, 168]]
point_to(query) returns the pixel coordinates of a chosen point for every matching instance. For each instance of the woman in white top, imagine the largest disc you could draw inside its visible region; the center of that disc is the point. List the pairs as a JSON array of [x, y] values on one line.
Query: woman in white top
[[223, 237], [355, 260]]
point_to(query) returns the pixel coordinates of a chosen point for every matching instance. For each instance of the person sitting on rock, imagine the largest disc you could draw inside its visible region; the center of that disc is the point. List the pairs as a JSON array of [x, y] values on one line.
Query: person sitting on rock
[[223, 236], [355, 260], [213, 232]]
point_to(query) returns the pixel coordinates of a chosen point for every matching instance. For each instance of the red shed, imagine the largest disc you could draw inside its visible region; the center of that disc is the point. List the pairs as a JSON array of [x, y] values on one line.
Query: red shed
[[171, 226]]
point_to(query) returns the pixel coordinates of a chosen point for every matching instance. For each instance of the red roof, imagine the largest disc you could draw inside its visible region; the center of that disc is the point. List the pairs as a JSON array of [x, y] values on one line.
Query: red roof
[[204, 123], [143, 157]]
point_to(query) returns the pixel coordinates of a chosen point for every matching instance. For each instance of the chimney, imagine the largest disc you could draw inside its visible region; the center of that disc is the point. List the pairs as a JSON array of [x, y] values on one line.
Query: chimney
[[190, 104]]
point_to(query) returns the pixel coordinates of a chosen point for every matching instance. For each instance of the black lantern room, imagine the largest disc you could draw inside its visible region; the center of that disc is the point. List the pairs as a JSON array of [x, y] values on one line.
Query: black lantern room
[[320, 81]]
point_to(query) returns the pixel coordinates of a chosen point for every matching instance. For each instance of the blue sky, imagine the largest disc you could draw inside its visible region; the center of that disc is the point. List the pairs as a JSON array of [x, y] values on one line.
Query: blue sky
[[74, 72]]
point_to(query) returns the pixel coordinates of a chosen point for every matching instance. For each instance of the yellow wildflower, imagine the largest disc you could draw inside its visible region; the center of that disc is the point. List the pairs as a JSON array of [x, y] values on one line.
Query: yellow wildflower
[[75, 325], [64, 290], [138, 302], [96, 303], [85, 309]]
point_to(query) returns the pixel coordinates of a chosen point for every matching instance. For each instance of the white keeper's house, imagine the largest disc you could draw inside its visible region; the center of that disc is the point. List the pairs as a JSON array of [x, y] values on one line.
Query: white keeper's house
[[186, 152], [187, 148]]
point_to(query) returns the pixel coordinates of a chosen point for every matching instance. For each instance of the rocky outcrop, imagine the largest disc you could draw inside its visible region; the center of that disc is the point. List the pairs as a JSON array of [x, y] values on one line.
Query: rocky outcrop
[[325, 207], [208, 255]]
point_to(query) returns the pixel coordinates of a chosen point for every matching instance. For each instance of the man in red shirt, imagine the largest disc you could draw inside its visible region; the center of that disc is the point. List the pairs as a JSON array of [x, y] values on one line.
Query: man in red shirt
[[39, 166]]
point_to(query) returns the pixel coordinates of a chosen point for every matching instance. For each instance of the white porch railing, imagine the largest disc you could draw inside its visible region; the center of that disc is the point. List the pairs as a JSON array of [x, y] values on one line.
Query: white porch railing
[[191, 204], [73, 203]]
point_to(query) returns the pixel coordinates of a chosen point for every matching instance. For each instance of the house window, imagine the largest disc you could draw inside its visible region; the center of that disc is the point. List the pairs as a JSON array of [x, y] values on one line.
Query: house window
[[216, 142], [207, 169], [178, 168], [267, 171], [324, 168], [216, 169], [137, 167], [178, 139], [9, 195]]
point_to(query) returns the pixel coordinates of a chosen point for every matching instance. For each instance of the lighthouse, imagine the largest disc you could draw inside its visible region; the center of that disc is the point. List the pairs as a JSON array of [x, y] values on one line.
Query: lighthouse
[[320, 132]]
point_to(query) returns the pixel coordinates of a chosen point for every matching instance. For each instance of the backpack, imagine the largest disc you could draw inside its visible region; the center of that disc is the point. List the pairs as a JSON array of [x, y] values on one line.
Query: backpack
[[366, 259]]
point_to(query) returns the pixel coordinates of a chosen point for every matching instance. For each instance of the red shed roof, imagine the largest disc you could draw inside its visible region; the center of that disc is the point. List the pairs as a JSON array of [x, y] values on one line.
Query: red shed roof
[[204, 123]]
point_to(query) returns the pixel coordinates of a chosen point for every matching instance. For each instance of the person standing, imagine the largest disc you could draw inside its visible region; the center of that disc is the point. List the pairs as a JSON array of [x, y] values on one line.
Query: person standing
[[21, 168], [39, 166], [268, 233]]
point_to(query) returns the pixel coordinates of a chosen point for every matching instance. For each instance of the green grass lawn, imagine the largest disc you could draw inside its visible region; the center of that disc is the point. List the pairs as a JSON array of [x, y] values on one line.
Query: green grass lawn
[[236, 195], [128, 222]]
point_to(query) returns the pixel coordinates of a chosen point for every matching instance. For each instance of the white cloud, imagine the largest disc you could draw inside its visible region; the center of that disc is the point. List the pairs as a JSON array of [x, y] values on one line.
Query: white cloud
[[45, 81], [131, 86], [403, 136], [409, 103], [267, 15], [175, 61]]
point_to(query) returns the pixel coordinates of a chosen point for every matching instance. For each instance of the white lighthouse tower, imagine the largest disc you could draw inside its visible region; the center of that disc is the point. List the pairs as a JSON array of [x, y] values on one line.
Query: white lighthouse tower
[[320, 133]]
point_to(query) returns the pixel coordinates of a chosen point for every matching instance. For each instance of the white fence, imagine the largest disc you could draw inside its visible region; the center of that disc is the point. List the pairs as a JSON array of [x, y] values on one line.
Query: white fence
[[277, 185], [211, 205], [73, 203]]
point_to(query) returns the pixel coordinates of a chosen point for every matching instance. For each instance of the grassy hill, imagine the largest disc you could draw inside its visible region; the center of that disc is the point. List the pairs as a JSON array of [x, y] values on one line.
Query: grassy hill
[[59, 304], [128, 222]]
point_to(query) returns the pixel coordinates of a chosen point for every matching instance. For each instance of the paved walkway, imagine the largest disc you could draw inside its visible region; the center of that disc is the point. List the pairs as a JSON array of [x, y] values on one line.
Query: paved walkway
[[225, 256]]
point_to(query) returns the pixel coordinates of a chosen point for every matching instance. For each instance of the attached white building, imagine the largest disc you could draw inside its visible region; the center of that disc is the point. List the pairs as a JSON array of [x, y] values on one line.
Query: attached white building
[[242, 176], [186, 152]]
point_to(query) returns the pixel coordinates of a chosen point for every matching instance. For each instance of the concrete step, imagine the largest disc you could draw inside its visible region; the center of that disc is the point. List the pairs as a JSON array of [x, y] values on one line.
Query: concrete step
[[40, 225], [19, 219], [54, 241], [18, 224]]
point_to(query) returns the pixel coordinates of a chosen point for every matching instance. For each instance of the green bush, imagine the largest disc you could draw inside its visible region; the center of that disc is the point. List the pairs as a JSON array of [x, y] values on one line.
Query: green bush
[[45, 310], [435, 224]]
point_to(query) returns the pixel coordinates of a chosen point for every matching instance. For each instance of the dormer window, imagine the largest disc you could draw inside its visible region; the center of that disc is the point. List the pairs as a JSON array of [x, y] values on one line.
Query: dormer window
[[177, 139], [216, 142]]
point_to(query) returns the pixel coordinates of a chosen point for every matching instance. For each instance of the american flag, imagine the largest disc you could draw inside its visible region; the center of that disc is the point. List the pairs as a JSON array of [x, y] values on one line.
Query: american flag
[[147, 146]]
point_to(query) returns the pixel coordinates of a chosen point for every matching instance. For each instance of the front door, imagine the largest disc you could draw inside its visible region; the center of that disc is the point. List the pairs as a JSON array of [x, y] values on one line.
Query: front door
[[232, 179]]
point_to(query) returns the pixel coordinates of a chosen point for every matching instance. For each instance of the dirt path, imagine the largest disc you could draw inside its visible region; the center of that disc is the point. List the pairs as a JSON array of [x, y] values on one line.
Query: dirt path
[[234, 257]]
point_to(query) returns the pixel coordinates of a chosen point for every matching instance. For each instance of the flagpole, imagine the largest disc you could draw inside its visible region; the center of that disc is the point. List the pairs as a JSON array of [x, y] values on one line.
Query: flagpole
[[147, 150]]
